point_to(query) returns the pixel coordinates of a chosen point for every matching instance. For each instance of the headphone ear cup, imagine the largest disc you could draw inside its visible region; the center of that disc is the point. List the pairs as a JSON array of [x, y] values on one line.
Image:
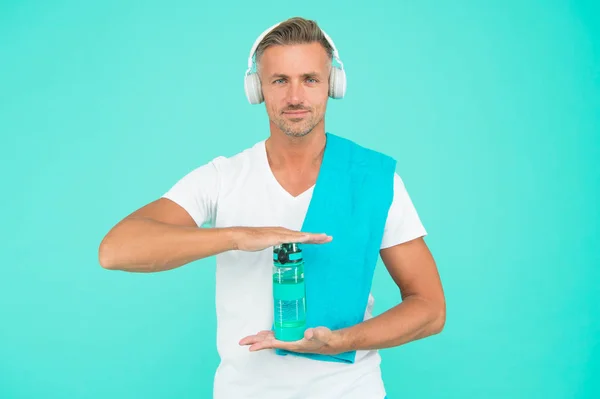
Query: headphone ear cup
[[253, 89], [337, 83]]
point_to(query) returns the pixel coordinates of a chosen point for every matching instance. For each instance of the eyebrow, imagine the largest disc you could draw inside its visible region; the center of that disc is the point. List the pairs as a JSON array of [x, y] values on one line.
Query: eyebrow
[[304, 75]]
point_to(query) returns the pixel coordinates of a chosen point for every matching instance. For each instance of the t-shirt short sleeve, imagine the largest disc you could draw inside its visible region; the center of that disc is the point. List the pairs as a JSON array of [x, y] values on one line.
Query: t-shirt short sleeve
[[403, 223], [197, 193]]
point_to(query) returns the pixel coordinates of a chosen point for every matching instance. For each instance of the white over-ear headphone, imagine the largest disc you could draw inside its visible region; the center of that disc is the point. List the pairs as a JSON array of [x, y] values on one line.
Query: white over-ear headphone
[[337, 77]]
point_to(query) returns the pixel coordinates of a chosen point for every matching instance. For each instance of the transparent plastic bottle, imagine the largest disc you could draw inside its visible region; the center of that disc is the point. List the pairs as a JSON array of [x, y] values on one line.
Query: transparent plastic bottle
[[289, 294]]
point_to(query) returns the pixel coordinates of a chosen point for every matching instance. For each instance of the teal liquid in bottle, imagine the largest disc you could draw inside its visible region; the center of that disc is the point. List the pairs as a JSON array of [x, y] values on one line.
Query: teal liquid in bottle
[[289, 295]]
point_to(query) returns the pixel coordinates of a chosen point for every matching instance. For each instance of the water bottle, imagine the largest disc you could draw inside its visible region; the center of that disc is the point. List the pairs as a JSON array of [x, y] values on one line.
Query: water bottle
[[289, 295]]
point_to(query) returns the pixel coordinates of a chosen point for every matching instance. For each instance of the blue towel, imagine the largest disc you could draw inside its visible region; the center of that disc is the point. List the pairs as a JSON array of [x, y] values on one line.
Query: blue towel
[[351, 199]]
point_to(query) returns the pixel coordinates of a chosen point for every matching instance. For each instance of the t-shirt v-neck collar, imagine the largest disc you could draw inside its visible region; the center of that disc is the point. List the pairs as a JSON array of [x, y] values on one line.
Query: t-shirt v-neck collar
[[273, 180]]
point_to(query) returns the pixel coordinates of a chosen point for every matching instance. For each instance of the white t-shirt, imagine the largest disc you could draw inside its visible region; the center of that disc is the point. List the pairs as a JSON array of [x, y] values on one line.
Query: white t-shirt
[[242, 191]]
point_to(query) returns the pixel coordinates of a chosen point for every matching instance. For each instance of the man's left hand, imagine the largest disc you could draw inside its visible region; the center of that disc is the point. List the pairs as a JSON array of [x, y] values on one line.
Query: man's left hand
[[319, 340]]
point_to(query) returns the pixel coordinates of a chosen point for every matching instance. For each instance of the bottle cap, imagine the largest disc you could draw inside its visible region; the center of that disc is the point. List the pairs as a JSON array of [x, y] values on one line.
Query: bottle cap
[[288, 252]]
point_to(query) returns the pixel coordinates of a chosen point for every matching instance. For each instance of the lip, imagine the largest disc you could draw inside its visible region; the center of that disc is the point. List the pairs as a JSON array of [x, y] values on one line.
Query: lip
[[295, 113]]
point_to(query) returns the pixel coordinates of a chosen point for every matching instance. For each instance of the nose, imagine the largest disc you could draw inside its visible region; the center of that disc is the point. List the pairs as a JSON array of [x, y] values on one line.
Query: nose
[[295, 92]]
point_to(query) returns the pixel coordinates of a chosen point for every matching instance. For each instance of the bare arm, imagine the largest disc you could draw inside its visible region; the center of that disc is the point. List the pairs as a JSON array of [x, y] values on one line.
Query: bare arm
[[421, 313], [162, 236], [159, 236]]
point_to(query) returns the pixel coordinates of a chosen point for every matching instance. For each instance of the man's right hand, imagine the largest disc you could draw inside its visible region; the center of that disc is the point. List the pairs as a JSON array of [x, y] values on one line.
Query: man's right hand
[[259, 238]]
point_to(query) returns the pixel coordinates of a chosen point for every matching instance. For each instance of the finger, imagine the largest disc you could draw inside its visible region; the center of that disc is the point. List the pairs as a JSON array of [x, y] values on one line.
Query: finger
[[309, 334], [265, 343], [310, 238], [317, 334], [251, 339], [319, 239], [272, 343], [287, 235]]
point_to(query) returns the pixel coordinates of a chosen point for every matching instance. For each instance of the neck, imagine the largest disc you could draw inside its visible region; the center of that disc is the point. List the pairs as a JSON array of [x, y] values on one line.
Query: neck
[[295, 152]]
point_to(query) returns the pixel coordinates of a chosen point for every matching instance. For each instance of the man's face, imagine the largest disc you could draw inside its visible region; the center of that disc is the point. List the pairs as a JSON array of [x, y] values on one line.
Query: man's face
[[295, 85]]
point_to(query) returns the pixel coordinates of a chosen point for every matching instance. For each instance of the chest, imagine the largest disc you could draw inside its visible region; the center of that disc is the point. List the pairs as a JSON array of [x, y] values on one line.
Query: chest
[[260, 201], [297, 182]]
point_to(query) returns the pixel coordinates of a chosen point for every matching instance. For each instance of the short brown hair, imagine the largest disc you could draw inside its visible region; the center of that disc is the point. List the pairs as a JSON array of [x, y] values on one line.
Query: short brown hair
[[295, 30]]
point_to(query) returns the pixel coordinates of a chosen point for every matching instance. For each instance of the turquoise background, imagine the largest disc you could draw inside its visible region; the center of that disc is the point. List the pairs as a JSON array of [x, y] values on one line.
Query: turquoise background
[[491, 108]]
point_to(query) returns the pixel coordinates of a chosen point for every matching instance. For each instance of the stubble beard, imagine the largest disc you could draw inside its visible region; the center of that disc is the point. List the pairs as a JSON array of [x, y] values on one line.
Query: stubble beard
[[298, 127]]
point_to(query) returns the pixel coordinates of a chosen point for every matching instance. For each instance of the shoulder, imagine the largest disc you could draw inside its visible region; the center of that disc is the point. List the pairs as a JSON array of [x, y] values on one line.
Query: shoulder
[[238, 162], [221, 170], [362, 154], [224, 165], [231, 169]]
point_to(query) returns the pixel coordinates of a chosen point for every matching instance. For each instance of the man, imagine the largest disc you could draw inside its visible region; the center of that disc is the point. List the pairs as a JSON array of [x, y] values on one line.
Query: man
[[259, 198]]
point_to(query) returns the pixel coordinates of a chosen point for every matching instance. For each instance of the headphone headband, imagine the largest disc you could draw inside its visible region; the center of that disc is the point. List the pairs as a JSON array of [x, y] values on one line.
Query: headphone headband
[[266, 32]]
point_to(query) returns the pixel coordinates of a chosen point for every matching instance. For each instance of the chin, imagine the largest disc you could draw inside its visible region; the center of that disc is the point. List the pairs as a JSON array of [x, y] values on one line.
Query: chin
[[297, 134], [296, 131]]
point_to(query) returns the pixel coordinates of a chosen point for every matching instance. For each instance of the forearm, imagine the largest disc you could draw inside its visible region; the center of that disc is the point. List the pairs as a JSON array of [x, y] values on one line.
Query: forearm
[[145, 245], [413, 319]]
